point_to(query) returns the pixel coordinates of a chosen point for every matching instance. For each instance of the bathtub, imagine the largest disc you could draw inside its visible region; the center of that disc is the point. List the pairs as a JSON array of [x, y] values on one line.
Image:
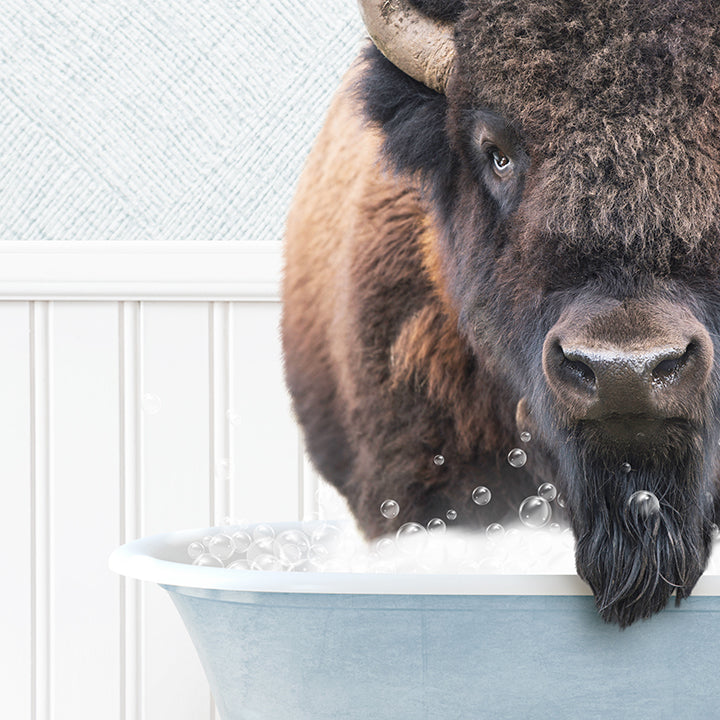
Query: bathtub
[[346, 646]]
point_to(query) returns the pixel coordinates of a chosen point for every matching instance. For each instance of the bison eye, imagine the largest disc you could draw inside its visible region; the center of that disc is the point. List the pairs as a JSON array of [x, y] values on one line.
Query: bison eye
[[502, 164]]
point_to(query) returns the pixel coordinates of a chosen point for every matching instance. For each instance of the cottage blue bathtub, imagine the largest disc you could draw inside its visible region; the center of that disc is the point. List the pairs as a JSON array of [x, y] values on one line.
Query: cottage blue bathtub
[[336, 646]]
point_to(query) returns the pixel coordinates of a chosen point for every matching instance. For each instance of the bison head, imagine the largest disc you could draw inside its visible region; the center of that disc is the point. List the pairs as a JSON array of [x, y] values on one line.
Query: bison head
[[570, 152]]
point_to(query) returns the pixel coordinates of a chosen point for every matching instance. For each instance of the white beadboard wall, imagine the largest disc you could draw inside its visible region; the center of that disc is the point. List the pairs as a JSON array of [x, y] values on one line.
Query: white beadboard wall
[[142, 391]]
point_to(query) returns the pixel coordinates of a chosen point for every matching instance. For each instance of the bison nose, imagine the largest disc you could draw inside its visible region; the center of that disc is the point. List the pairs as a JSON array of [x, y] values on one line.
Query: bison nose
[[595, 380]]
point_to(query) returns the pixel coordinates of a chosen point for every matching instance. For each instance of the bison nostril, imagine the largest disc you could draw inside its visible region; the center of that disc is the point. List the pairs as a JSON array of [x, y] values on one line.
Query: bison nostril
[[581, 371], [667, 369], [575, 369]]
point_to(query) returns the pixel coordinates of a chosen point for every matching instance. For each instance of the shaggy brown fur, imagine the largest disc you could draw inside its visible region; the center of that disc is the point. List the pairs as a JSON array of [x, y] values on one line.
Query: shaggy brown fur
[[366, 308]]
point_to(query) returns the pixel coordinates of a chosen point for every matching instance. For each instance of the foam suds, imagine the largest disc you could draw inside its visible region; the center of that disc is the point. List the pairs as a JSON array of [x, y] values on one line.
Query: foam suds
[[326, 547]]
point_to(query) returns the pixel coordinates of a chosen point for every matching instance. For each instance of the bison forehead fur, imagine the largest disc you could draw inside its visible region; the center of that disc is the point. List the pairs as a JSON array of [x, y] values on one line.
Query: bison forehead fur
[[534, 249], [619, 104]]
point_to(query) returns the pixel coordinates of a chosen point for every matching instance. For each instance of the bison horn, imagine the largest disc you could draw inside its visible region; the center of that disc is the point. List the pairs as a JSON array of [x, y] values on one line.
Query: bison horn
[[422, 48]]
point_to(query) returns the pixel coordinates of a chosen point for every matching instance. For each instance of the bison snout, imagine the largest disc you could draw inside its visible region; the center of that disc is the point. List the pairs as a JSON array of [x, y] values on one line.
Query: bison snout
[[628, 361]]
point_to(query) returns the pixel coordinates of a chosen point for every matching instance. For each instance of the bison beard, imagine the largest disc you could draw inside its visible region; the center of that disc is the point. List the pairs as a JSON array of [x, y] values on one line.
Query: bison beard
[[634, 560]]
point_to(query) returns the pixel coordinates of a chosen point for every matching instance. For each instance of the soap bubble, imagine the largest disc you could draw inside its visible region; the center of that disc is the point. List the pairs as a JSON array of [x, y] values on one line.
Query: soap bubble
[[547, 491], [517, 457], [291, 546], [535, 511], [385, 547], [411, 538], [208, 560], [306, 565], [326, 534], [263, 546], [266, 562], [525, 436], [644, 503], [389, 509], [715, 532], [241, 540], [561, 501], [221, 546], [195, 549], [514, 537], [239, 565], [439, 460], [481, 495], [542, 542], [495, 531], [436, 526], [151, 404], [625, 468], [451, 514], [318, 553], [568, 538], [263, 531]]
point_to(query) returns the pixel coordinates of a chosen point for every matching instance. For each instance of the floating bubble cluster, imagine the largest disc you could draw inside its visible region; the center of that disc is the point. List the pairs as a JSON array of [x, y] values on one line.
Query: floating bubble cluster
[[537, 545]]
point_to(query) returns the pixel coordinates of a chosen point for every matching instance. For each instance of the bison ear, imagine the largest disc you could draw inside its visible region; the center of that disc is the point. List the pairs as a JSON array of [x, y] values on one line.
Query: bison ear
[[446, 10]]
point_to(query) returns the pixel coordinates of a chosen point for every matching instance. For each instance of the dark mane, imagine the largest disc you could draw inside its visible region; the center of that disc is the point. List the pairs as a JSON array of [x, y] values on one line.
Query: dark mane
[[412, 119]]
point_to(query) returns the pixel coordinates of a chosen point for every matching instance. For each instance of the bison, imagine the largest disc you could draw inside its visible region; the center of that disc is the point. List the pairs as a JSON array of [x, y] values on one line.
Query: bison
[[510, 224]]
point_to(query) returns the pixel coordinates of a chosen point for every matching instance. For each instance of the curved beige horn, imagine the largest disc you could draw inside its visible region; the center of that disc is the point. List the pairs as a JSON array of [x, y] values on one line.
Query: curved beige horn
[[422, 48]]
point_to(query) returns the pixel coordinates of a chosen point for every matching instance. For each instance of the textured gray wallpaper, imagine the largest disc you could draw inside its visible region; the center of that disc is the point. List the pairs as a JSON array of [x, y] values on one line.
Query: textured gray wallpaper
[[162, 119]]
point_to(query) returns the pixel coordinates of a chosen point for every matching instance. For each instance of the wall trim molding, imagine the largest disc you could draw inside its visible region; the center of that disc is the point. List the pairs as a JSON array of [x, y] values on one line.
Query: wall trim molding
[[156, 270]]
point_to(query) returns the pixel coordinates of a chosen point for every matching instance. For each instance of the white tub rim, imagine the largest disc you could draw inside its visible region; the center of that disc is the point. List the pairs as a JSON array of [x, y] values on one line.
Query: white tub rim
[[150, 559]]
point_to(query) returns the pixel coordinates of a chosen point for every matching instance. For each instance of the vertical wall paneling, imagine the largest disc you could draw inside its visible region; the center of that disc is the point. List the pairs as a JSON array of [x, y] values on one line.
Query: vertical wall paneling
[[129, 498], [221, 418], [16, 511], [265, 474], [123, 418], [175, 402], [84, 417], [41, 451], [222, 415]]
